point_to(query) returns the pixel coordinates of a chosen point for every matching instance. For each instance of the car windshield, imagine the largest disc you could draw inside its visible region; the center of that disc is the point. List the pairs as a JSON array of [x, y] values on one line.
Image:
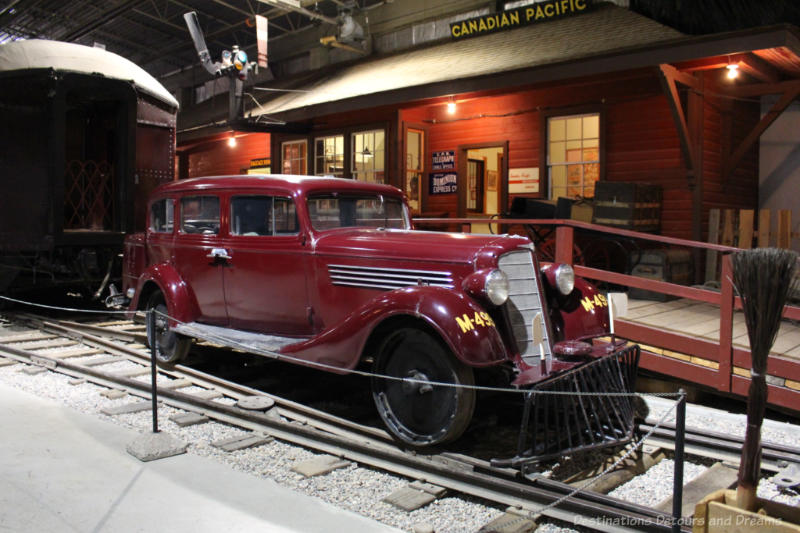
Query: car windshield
[[332, 210]]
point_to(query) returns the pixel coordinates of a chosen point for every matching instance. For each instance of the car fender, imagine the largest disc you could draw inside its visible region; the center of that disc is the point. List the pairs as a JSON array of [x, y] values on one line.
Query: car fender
[[585, 313], [181, 303], [461, 322]]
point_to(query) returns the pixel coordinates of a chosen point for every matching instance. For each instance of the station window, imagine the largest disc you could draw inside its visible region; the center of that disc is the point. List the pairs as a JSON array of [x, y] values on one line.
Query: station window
[[161, 216], [200, 214], [573, 155], [253, 216], [329, 156], [369, 156], [294, 157]]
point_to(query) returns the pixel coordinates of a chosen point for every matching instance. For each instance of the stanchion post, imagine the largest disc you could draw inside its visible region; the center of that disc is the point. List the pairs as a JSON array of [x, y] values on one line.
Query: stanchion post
[[677, 480], [151, 333]]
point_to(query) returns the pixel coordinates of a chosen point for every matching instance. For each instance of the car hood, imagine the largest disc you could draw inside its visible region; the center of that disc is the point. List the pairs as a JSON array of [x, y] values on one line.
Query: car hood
[[416, 245]]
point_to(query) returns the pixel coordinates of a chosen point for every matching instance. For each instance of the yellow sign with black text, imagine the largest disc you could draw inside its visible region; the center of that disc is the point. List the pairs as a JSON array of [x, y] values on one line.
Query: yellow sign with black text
[[515, 18]]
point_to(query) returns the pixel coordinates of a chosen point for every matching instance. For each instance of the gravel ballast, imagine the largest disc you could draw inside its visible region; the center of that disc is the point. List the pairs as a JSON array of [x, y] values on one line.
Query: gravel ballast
[[357, 488]]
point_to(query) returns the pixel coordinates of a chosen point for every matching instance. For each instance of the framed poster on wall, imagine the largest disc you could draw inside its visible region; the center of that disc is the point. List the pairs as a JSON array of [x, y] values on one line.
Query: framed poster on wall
[[523, 180], [443, 182]]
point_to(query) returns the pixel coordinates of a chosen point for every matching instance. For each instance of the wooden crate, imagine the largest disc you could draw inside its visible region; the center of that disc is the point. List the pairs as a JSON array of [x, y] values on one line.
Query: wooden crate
[[673, 266], [634, 206]]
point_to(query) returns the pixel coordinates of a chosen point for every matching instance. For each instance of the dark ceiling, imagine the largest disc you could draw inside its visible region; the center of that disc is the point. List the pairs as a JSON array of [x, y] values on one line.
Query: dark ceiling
[[152, 33]]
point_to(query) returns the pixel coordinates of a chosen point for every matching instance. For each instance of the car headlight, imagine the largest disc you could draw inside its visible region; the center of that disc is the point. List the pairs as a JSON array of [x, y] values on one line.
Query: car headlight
[[565, 279], [496, 287]]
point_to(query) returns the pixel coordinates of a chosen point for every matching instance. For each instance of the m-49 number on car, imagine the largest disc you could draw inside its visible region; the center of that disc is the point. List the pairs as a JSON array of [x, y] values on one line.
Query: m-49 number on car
[[589, 303], [467, 323]]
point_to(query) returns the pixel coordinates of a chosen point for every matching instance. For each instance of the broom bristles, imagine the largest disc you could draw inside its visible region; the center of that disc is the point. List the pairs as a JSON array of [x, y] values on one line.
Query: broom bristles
[[762, 278]]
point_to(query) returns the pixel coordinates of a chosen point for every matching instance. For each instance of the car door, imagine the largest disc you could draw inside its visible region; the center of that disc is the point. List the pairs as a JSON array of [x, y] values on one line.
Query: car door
[[200, 256], [265, 284]]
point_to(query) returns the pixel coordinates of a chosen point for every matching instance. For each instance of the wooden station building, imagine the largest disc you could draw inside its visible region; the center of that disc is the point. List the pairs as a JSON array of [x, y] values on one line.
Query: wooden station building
[[541, 101]]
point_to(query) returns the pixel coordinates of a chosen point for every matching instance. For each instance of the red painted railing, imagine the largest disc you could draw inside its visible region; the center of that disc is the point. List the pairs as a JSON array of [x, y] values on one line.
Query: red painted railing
[[724, 353]]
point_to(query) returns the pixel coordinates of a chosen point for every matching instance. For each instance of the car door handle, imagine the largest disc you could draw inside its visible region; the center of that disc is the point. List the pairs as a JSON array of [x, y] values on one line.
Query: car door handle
[[219, 253]]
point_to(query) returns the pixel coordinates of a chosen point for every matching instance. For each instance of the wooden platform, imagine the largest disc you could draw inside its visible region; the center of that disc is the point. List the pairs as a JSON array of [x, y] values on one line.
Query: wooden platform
[[701, 320]]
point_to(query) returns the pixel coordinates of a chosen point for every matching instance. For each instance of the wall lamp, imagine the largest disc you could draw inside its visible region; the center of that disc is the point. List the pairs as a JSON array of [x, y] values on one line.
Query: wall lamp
[[451, 106], [733, 71], [232, 140]]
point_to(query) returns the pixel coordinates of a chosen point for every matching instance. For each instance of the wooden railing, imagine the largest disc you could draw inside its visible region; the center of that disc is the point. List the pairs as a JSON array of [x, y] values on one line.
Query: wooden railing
[[671, 353]]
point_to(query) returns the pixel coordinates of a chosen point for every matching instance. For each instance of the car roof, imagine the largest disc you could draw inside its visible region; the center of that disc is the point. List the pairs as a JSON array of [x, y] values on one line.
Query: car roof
[[299, 184]]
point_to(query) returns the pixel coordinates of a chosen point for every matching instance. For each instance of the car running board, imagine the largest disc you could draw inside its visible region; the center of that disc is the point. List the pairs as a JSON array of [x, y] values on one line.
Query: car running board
[[233, 338]]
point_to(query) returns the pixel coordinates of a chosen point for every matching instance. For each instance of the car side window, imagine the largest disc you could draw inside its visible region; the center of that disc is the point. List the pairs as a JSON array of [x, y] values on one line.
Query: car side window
[[285, 217], [253, 216], [162, 216], [250, 215], [200, 214]]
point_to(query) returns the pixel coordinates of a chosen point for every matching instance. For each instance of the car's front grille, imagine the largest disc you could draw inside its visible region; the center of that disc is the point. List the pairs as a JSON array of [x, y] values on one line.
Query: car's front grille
[[525, 305], [387, 278]]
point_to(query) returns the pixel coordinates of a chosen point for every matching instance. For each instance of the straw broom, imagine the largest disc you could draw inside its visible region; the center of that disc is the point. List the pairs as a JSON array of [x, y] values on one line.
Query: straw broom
[[762, 278]]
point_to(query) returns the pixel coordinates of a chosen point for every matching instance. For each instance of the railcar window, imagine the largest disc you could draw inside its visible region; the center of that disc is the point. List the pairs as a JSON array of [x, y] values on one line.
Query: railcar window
[[200, 214], [332, 211], [254, 216], [285, 216], [162, 216]]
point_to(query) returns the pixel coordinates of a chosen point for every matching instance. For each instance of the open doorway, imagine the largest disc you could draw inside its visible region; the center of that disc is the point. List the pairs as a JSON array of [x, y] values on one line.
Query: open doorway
[[482, 177]]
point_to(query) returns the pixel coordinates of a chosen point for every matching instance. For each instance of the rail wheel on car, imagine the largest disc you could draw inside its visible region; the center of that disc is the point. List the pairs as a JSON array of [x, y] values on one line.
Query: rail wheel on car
[[172, 346], [422, 413]]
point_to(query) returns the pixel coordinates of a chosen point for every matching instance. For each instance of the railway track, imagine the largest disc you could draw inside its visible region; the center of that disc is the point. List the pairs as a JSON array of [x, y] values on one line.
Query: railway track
[[113, 341]]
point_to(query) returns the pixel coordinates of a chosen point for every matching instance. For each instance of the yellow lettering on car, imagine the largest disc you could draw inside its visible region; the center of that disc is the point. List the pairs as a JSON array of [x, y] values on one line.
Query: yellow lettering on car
[[598, 300], [469, 323], [465, 324]]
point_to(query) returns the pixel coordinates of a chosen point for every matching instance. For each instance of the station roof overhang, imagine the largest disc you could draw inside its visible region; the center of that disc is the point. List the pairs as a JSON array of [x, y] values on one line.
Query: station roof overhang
[[605, 40]]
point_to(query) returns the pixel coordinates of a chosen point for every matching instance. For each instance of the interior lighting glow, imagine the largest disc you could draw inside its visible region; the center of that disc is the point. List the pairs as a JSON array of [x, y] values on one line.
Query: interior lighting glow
[[451, 106], [232, 141], [733, 71]]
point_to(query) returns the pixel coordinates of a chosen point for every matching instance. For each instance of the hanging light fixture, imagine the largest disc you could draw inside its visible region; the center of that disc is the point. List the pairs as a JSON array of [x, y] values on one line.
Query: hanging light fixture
[[733, 71], [232, 140], [451, 106]]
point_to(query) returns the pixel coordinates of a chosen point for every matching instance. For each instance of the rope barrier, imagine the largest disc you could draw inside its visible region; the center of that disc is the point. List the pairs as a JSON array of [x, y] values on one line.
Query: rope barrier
[[59, 308], [231, 343]]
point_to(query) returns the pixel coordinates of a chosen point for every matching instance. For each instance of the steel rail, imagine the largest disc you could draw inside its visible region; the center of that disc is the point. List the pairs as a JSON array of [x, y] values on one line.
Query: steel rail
[[287, 408], [719, 446], [602, 512]]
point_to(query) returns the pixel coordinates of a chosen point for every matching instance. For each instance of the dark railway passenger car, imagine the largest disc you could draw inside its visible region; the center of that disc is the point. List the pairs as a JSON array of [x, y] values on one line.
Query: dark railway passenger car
[[85, 136]]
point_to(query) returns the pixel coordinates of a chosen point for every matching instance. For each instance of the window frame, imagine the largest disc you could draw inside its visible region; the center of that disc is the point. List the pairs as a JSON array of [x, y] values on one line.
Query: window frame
[[304, 159], [191, 196], [353, 172], [171, 224], [272, 226], [316, 157], [544, 143]]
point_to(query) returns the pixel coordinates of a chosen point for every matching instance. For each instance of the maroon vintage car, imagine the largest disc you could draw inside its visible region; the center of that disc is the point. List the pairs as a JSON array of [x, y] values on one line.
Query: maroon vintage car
[[329, 272]]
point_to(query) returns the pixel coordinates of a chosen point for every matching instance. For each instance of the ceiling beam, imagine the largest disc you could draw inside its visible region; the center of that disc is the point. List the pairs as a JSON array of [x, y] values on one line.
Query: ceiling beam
[[748, 63], [103, 19], [670, 76], [288, 6], [760, 89]]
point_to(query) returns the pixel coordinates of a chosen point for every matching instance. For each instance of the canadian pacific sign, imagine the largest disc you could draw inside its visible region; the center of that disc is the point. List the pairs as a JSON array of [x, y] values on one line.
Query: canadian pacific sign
[[514, 18]]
